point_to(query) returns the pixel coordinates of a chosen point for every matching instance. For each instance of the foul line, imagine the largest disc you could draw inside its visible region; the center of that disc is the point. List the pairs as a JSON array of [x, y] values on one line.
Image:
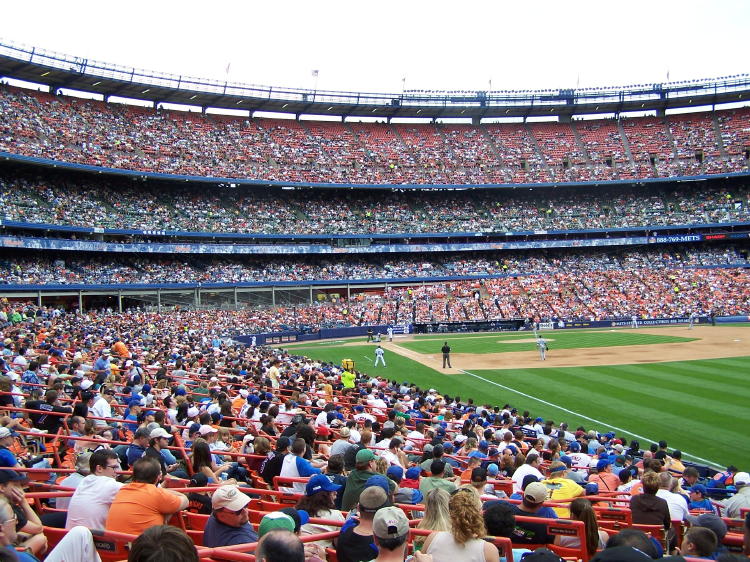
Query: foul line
[[598, 422], [365, 356]]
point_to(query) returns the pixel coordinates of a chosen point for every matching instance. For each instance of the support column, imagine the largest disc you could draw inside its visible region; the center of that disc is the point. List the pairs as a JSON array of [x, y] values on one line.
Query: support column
[[119, 301], [39, 299], [273, 296], [311, 295], [236, 301], [80, 301], [158, 301]]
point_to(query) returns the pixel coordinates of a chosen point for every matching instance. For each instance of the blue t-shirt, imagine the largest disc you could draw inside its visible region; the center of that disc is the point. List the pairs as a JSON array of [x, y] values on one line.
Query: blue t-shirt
[[7, 458], [217, 534]]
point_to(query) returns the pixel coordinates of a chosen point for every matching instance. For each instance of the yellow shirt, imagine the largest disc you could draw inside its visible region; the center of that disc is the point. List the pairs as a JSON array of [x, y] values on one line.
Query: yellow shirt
[[561, 489]]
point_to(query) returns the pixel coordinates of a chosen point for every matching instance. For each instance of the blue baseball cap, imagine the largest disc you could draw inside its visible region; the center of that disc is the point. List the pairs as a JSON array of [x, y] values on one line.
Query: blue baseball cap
[[395, 472], [379, 480], [320, 483], [413, 472], [575, 447], [602, 464], [493, 469], [592, 488], [699, 488]]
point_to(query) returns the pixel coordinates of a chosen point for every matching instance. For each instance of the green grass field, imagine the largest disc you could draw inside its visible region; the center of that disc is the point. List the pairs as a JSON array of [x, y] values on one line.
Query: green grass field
[[700, 407]]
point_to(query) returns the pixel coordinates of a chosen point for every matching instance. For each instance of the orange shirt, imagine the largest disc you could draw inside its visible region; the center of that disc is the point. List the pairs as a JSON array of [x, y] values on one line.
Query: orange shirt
[[120, 349], [138, 506]]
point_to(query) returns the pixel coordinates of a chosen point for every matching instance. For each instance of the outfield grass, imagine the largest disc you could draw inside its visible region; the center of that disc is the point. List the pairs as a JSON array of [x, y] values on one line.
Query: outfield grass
[[700, 407], [571, 339]]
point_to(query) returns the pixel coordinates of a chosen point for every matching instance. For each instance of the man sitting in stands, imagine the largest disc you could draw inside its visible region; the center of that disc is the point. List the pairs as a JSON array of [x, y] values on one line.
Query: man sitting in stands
[[141, 504], [228, 523], [90, 503]]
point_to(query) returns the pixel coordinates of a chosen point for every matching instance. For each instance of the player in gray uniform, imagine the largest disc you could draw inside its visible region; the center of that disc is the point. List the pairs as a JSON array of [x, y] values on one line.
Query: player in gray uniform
[[693, 319], [542, 346]]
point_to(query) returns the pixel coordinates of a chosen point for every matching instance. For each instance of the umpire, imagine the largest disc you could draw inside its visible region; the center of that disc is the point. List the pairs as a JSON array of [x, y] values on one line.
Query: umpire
[[446, 349]]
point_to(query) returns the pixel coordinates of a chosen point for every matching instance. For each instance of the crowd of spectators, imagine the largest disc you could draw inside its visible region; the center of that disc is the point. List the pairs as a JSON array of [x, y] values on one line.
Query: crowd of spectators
[[568, 287], [152, 399], [124, 204], [90, 132], [104, 269]]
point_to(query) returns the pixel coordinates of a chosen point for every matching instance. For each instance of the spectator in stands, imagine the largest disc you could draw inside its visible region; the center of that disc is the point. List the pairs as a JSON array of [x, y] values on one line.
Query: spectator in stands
[[295, 466], [741, 499], [390, 530], [501, 522], [319, 501], [596, 539], [464, 541], [561, 487], [678, 505], [28, 523], [630, 544], [437, 479], [90, 503], [356, 542], [436, 514], [698, 499], [530, 467], [534, 496], [405, 495], [228, 523], [55, 518], [137, 448], [141, 504], [355, 482], [77, 544], [46, 422], [280, 546], [604, 477], [272, 466], [163, 543], [699, 542], [7, 458], [647, 508]]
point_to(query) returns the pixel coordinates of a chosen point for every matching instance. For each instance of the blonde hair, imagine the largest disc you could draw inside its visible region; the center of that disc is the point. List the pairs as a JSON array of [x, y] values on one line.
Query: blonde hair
[[436, 515], [381, 465], [467, 522]]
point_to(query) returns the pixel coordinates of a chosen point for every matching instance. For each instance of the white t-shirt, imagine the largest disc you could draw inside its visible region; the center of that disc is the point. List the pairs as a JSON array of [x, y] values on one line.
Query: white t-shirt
[[101, 409], [90, 503], [678, 508], [521, 472]]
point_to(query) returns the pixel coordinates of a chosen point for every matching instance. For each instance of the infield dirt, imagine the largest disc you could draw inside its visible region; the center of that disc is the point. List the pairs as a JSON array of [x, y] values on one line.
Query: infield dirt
[[711, 343]]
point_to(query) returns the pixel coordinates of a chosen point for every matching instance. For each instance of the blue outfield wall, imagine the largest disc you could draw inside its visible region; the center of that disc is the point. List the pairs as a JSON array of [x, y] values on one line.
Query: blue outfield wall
[[274, 338]]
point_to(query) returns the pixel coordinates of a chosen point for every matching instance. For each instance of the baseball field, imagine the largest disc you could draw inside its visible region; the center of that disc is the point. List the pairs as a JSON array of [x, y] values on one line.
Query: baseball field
[[688, 387]]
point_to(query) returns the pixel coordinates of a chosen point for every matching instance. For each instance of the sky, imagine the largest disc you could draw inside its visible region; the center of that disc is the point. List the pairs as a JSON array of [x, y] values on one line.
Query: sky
[[389, 46]]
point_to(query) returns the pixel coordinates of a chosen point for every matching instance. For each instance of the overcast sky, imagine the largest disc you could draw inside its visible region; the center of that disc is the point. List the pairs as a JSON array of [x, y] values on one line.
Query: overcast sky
[[364, 45]]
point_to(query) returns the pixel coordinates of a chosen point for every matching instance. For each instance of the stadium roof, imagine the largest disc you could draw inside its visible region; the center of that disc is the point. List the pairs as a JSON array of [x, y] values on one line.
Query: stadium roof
[[58, 70]]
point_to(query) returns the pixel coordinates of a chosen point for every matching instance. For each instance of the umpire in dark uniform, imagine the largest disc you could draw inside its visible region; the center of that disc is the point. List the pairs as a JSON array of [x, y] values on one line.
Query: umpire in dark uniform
[[446, 349]]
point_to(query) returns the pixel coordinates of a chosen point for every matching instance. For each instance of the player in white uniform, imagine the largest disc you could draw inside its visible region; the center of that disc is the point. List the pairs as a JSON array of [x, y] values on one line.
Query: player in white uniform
[[542, 346], [379, 356], [693, 319], [390, 333]]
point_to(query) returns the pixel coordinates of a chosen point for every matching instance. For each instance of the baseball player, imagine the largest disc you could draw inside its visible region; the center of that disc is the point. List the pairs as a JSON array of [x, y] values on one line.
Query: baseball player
[[542, 346], [379, 356], [390, 333]]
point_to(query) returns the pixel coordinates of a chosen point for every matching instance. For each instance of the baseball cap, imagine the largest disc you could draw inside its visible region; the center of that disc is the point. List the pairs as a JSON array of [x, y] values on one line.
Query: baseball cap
[[229, 497], [713, 522], [199, 480], [493, 469], [299, 516], [373, 498], [274, 521], [592, 488], [206, 429], [575, 447], [390, 523], [159, 432], [11, 476], [741, 479], [602, 464], [4, 432], [536, 492], [193, 411], [413, 473], [320, 483], [364, 455], [395, 472], [379, 480], [344, 433], [699, 488]]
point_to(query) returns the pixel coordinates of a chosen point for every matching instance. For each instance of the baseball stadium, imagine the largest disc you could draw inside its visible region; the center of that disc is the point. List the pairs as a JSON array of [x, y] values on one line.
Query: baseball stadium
[[528, 281]]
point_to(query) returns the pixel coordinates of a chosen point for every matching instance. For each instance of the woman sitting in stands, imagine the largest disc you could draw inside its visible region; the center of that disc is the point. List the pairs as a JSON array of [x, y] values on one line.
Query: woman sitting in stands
[[465, 539], [203, 462], [436, 515], [581, 510]]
